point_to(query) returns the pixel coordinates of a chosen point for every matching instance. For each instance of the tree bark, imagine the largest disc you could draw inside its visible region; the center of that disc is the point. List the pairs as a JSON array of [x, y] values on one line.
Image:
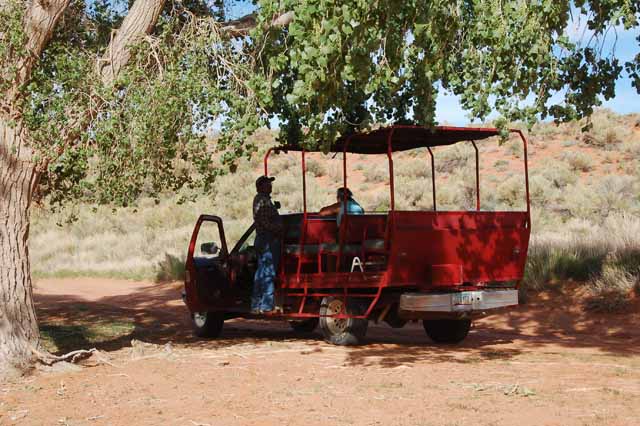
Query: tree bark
[[140, 20], [18, 325]]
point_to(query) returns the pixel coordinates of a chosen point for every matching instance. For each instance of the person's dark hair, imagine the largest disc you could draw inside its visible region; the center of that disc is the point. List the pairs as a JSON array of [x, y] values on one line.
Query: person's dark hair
[[340, 193]]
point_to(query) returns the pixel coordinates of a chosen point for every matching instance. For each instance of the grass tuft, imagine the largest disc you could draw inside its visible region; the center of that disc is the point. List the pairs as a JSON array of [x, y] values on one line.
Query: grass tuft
[[171, 268]]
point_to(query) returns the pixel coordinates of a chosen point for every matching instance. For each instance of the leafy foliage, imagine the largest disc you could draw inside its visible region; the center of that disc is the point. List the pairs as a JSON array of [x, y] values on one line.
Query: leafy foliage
[[340, 68], [143, 134]]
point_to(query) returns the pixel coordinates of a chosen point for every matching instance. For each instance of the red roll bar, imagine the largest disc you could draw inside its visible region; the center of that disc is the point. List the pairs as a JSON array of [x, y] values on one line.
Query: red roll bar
[[389, 154], [477, 176], [433, 178]]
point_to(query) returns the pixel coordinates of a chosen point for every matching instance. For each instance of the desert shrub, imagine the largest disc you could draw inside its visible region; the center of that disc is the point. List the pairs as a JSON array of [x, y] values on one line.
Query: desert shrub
[[511, 192], [448, 194], [514, 148], [315, 167], [171, 268], [580, 200], [335, 172], [376, 174], [381, 202], [413, 194], [607, 131], [414, 168], [501, 165], [578, 161], [615, 194], [611, 290], [281, 163], [451, 158], [540, 190], [539, 267], [631, 148], [558, 173], [545, 130]]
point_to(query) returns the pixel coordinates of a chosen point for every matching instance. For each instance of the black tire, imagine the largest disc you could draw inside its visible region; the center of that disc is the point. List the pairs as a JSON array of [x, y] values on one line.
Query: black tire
[[207, 324], [342, 331], [304, 326], [447, 331]]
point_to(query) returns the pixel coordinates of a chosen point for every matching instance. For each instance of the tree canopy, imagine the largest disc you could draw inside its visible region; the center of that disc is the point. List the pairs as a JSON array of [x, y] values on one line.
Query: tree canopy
[[339, 67], [334, 68]]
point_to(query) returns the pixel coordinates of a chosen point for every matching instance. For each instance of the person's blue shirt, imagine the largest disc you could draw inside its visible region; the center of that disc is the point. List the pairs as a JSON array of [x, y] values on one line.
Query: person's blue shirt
[[352, 208]]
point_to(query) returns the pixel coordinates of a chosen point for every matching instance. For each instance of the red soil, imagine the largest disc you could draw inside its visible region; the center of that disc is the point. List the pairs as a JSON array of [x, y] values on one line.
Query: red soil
[[544, 363]]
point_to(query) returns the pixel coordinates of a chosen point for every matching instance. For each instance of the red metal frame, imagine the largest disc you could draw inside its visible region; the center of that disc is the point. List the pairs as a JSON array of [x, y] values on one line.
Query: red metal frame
[[433, 178], [477, 176]]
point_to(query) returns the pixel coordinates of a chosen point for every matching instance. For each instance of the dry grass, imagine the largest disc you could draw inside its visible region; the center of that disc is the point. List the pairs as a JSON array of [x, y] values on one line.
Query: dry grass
[[604, 257]]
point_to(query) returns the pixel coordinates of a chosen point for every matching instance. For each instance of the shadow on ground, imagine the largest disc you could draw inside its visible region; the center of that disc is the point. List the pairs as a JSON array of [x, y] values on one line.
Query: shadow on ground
[[158, 316]]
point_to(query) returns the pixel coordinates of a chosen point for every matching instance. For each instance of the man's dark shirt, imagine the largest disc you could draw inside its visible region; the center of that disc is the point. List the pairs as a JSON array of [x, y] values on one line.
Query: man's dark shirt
[[265, 215]]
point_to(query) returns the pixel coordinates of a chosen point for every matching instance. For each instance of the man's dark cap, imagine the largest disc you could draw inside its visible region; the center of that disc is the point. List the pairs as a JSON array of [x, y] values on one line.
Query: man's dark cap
[[263, 179]]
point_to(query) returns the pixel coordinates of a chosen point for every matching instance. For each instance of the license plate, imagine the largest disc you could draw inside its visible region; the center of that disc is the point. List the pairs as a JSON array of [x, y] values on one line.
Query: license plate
[[463, 299]]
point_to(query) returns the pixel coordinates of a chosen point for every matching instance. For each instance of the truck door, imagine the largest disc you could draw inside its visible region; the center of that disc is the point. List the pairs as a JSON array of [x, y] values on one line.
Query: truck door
[[207, 267]]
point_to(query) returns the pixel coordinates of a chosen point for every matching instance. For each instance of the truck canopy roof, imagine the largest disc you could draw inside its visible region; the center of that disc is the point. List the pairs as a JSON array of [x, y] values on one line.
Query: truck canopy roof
[[403, 138]]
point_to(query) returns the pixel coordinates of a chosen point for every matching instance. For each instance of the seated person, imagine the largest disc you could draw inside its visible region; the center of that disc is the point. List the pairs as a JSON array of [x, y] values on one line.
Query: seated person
[[337, 209]]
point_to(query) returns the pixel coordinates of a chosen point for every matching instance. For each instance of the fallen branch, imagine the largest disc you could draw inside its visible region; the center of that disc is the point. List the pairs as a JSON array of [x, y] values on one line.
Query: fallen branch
[[72, 357]]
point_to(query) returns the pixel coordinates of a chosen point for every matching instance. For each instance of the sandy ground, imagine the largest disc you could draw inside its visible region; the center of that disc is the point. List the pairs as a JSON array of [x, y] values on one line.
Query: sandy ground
[[544, 363]]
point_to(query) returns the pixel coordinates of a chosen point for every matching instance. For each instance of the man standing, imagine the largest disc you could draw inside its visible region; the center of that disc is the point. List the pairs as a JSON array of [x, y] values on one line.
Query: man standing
[[268, 232]]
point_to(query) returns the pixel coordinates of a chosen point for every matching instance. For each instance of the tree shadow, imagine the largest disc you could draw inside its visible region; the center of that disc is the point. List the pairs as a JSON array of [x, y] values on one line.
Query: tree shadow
[[158, 316]]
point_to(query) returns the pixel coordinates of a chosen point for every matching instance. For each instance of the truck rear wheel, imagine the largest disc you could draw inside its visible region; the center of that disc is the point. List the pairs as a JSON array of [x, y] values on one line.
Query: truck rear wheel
[[447, 331], [342, 331], [304, 326], [207, 324]]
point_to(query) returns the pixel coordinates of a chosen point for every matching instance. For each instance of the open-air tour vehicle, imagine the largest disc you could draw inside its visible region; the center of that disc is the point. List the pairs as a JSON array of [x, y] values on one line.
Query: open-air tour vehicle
[[442, 267]]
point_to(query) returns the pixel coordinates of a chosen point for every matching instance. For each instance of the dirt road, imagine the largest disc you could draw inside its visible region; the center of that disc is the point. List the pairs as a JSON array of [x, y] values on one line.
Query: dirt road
[[544, 363]]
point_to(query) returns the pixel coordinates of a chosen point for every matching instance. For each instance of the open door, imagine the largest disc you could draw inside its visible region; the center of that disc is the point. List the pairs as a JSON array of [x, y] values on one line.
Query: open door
[[207, 281]]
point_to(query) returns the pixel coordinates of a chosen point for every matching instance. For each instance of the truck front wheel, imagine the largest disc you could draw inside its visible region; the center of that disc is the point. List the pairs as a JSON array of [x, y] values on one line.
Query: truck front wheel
[[207, 324], [447, 331], [342, 331]]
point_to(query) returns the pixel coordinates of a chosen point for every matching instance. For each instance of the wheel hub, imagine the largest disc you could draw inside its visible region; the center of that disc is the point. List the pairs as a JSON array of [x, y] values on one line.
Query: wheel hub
[[336, 325], [200, 318]]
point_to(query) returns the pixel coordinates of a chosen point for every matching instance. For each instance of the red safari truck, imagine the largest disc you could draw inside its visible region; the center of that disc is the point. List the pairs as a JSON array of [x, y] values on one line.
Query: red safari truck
[[442, 267]]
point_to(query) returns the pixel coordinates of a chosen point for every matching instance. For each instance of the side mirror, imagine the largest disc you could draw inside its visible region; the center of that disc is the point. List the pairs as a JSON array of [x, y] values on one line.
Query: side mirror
[[209, 248]]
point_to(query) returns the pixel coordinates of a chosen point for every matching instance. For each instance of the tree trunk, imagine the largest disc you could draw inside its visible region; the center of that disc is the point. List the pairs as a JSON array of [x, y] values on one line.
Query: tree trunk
[[18, 325]]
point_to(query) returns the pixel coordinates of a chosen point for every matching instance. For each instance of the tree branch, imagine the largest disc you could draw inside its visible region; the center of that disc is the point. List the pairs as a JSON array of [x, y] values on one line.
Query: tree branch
[[39, 23], [139, 22], [242, 26]]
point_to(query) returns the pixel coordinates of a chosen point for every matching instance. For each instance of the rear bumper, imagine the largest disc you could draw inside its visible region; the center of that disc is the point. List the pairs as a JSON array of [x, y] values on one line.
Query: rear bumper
[[458, 302]]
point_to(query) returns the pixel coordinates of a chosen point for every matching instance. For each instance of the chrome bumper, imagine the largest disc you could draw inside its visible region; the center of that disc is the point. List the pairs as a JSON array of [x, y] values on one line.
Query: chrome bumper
[[465, 301]]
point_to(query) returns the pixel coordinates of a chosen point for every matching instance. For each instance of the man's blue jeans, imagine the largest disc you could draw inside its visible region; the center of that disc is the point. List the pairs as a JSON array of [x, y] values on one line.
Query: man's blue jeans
[[268, 252]]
